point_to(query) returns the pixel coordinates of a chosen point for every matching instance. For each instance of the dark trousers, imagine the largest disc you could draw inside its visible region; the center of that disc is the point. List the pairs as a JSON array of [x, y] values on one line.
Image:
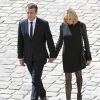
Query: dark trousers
[[37, 86]]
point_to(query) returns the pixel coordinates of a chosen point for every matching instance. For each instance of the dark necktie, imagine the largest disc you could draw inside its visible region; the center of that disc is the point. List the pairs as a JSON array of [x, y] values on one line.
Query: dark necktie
[[31, 29]]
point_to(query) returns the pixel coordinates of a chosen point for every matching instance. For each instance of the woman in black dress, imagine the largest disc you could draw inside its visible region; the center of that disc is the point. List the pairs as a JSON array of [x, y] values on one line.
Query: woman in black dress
[[72, 34]]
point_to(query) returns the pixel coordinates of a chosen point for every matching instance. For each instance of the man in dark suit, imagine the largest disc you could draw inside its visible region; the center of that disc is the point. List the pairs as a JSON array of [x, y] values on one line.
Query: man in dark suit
[[33, 33]]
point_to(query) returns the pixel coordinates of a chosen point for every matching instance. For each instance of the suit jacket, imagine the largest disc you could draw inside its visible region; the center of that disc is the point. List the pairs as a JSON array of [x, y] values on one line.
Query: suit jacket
[[83, 32], [35, 48]]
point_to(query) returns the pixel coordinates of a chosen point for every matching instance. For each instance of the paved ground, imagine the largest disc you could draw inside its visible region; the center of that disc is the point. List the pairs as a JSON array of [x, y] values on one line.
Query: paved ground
[[15, 81]]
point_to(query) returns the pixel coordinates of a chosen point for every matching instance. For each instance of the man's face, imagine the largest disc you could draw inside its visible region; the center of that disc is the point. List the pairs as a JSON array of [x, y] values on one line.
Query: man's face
[[31, 14]]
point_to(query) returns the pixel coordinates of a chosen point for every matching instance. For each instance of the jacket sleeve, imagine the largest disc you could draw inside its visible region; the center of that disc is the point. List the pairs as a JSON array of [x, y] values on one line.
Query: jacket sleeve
[[59, 42], [20, 43], [86, 42], [50, 42]]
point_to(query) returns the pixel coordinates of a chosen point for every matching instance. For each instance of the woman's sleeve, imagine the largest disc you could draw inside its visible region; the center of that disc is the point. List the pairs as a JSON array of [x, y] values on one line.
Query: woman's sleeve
[[86, 42], [59, 42]]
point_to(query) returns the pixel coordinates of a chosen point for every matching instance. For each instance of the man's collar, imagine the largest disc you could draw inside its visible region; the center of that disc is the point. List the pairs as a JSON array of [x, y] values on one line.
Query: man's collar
[[34, 21]]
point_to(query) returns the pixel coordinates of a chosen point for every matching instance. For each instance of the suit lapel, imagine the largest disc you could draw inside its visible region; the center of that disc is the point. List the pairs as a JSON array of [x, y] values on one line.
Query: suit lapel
[[26, 26], [36, 26]]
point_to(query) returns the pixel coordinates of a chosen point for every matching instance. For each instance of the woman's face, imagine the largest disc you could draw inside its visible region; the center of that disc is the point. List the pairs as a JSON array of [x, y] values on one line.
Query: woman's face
[[69, 19]]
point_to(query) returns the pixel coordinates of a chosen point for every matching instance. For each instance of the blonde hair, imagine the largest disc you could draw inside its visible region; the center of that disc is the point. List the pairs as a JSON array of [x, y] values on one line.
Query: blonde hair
[[70, 12]]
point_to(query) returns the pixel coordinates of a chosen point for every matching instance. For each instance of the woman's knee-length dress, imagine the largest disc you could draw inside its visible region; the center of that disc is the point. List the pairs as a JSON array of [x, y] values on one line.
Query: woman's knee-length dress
[[72, 46]]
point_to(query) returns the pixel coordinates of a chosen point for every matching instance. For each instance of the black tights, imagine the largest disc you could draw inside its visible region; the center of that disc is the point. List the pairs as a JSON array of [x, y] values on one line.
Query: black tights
[[68, 85]]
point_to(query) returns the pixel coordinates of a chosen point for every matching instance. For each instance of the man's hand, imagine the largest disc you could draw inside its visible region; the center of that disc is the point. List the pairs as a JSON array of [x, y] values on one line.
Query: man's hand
[[21, 61], [51, 60], [88, 62]]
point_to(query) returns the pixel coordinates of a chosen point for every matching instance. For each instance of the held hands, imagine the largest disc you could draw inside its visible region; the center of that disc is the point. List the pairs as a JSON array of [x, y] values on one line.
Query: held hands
[[21, 61], [51, 60], [88, 62]]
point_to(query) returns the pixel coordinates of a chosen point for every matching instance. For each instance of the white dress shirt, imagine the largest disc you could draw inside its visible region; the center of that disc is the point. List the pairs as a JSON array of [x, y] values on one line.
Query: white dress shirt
[[29, 24]]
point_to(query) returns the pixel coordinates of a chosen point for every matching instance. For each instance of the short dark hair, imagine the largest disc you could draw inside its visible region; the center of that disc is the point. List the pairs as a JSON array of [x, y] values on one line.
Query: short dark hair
[[31, 6]]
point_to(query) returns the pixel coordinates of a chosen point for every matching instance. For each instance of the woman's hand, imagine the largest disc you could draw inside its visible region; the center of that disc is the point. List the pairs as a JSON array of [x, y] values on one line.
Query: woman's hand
[[21, 61], [88, 62], [51, 60]]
